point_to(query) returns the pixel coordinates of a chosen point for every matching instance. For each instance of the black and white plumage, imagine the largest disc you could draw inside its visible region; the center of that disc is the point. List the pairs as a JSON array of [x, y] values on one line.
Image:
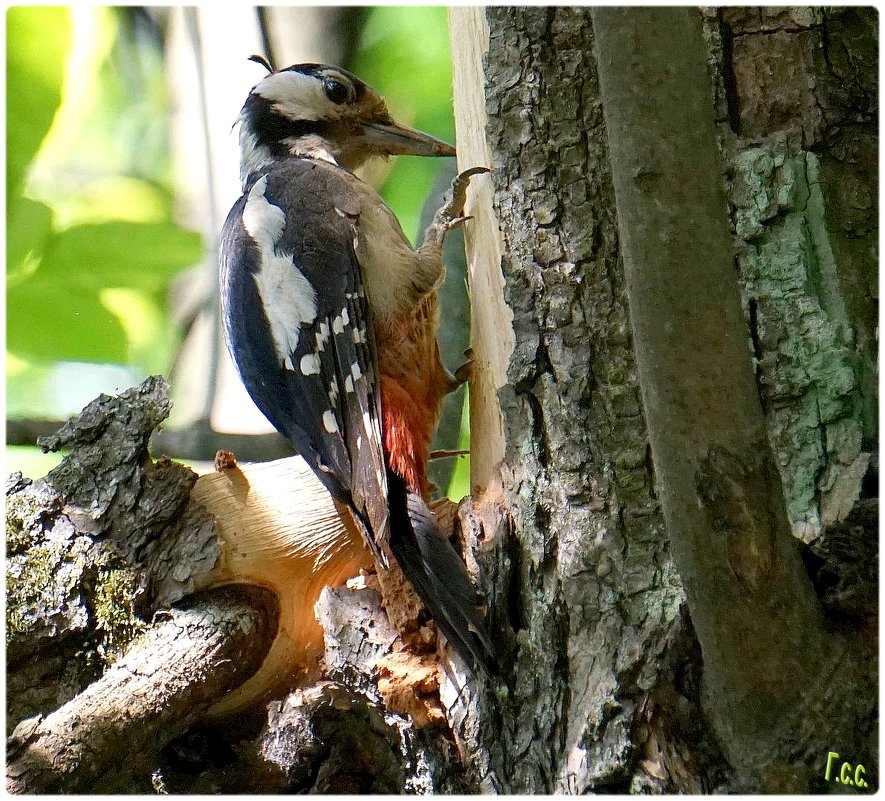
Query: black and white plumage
[[313, 266], [298, 321]]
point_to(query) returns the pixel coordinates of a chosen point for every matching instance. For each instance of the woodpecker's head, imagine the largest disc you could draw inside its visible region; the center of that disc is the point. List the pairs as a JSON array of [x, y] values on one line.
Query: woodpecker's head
[[323, 112]]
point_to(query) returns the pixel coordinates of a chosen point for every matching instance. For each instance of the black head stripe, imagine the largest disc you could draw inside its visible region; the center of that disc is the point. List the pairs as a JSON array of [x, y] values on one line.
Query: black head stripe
[[271, 127]]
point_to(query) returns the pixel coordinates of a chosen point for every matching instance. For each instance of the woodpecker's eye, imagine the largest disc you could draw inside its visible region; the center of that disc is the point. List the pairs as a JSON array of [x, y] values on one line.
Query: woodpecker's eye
[[336, 91]]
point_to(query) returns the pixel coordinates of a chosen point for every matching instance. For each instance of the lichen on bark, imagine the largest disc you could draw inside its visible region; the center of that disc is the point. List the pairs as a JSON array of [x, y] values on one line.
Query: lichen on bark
[[85, 546], [802, 338]]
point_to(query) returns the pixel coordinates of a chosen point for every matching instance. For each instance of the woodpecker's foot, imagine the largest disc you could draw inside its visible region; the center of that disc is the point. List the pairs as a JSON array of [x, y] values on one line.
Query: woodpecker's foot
[[465, 372], [451, 214], [461, 376]]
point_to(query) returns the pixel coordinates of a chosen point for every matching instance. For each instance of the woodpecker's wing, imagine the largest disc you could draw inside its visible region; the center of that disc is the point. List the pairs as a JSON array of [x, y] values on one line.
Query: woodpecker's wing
[[300, 332]]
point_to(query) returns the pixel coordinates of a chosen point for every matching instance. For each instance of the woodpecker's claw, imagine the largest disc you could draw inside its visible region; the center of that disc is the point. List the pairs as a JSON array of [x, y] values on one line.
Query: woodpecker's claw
[[450, 215], [462, 180], [465, 372]]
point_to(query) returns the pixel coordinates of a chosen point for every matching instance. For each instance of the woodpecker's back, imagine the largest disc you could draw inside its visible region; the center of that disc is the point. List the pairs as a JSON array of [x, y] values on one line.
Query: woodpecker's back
[[331, 319]]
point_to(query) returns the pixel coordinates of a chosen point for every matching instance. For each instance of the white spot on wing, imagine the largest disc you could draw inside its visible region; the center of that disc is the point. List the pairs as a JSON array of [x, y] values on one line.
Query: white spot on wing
[[356, 372], [340, 321], [359, 336], [367, 423], [288, 298], [348, 384], [322, 336], [329, 422], [310, 364]]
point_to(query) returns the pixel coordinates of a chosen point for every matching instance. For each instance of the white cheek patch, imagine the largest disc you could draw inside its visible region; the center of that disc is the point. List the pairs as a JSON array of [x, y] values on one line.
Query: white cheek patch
[[296, 95], [312, 145], [288, 298]]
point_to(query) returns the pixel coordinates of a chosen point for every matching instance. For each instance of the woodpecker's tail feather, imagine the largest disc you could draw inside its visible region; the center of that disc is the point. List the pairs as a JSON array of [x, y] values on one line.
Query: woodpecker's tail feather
[[429, 561]]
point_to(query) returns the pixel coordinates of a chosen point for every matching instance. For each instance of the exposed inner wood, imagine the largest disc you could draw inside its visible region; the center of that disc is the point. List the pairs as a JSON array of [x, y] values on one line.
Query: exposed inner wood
[[294, 555], [491, 321]]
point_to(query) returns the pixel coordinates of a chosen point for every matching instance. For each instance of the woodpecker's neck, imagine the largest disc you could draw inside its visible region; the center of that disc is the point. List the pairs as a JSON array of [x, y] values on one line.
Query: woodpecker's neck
[[256, 154]]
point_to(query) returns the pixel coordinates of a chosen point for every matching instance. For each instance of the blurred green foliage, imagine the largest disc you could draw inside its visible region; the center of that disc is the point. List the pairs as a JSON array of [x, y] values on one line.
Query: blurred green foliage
[[91, 246], [403, 52]]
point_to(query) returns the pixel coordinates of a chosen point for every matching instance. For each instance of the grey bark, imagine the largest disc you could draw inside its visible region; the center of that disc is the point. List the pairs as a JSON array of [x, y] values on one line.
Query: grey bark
[[604, 680], [797, 112], [163, 683], [584, 584], [717, 478]]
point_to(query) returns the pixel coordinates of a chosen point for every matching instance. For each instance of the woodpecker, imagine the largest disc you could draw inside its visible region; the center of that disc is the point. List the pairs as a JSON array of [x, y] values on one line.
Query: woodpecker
[[331, 317]]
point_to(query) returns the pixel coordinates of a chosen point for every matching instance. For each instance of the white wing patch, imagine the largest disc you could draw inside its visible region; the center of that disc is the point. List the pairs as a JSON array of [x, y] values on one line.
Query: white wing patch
[[287, 296]]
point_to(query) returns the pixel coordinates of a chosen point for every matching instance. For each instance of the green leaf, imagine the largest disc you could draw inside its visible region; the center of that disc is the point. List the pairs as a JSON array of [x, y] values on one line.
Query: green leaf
[[37, 43], [121, 254], [28, 231], [50, 320], [62, 310], [114, 198]]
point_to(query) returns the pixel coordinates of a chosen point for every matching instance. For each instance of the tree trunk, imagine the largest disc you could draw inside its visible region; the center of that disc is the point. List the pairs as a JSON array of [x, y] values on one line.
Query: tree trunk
[[574, 424], [600, 685], [719, 487]]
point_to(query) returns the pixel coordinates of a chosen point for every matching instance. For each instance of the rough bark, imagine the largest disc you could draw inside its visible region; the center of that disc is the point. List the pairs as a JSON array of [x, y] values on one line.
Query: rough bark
[[582, 586], [797, 112], [94, 553], [716, 474], [165, 681], [574, 427]]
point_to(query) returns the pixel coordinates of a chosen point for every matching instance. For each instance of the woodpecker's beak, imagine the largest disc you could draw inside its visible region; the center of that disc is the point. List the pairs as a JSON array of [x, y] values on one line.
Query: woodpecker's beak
[[398, 140]]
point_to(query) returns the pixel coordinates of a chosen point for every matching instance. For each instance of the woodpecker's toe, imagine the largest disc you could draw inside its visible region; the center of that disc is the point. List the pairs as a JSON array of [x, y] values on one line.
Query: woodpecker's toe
[[464, 373]]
